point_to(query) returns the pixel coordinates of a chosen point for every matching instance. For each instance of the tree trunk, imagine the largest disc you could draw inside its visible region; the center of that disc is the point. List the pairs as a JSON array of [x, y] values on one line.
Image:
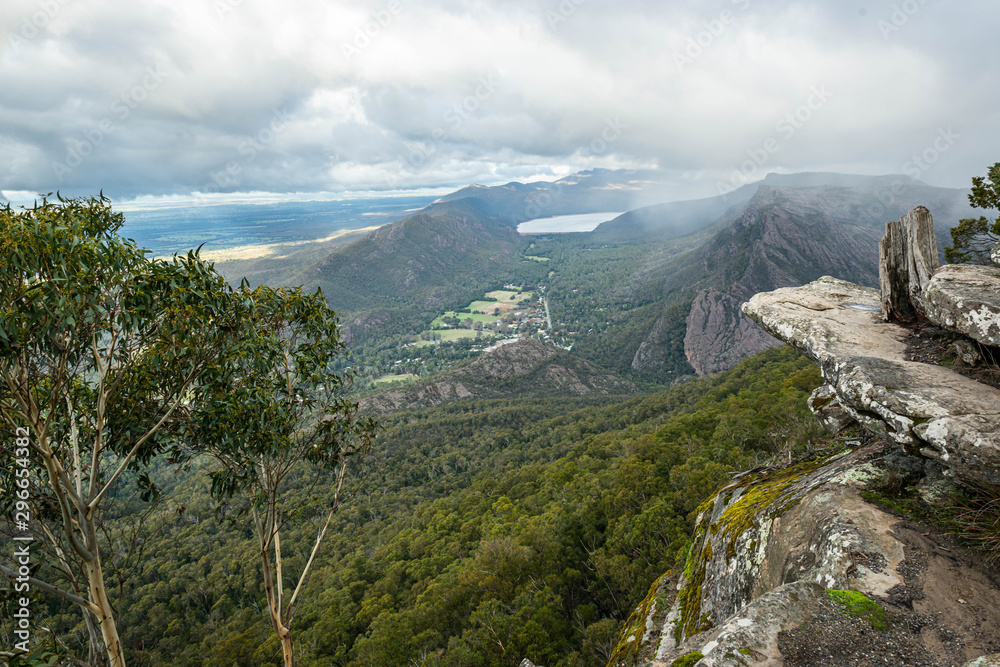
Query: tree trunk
[[109, 631], [908, 257], [286, 649]]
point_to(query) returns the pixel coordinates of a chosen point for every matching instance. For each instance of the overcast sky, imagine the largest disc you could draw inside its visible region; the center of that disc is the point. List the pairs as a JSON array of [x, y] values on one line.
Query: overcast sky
[[169, 97]]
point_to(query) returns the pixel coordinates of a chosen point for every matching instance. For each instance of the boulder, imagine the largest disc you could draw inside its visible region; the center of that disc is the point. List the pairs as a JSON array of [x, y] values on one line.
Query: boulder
[[908, 257], [966, 298], [927, 409]]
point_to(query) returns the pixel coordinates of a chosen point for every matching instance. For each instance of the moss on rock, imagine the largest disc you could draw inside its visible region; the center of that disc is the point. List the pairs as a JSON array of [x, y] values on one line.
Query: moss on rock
[[858, 605], [687, 660]]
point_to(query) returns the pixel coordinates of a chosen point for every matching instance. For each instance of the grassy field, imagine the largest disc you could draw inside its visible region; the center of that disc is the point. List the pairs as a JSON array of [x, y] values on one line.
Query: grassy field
[[448, 335], [403, 377], [475, 317]]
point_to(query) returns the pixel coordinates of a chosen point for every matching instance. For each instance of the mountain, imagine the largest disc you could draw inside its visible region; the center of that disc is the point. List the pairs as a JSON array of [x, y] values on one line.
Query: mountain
[[662, 222], [524, 369], [652, 294], [785, 236]]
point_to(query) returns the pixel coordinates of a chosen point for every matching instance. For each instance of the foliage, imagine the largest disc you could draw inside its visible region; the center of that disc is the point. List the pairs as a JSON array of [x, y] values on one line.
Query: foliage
[[99, 346], [976, 519], [687, 660], [974, 238], [481, 532], [274, 408]]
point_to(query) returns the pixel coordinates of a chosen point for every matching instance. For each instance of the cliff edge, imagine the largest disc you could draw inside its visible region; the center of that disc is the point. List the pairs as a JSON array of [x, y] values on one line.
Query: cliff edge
[[839, 559]]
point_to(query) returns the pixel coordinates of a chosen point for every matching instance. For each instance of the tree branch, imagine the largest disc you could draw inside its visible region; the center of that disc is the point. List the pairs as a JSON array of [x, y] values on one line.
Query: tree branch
[[49, 588]]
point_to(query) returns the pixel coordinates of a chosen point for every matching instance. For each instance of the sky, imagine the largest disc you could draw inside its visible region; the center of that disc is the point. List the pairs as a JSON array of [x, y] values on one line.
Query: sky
[[150, 98]]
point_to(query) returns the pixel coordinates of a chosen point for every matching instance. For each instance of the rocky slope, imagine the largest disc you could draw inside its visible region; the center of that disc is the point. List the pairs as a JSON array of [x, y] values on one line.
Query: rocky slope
[[523, 368], [796, 565]]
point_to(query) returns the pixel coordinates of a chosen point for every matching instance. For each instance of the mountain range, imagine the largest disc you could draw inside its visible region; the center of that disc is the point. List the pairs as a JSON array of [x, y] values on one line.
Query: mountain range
[[653, 294]]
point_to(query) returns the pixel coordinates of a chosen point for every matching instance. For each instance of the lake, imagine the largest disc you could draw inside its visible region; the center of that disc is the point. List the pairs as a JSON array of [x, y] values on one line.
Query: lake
[[563, 224]]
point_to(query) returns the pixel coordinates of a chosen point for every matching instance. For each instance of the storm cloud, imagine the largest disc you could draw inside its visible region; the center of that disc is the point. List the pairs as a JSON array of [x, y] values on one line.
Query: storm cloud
[[219, 96]]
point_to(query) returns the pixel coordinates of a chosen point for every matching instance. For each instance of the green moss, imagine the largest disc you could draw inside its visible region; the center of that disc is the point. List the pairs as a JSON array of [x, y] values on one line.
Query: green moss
[[630, 638], [746, 651], [706, 506], [765, 499], [687, 660], [821, 402], [857, 605]]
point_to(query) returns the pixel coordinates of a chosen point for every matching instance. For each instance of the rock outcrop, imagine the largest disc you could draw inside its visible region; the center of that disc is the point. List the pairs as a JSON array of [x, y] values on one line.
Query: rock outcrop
[[774, 550], [966, 299], [523, 368], [927, 409], [796, 565]]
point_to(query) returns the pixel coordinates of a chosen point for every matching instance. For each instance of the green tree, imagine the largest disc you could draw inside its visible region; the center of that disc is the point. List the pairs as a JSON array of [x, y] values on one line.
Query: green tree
[[276, 420], [99, 346], [973, 239]]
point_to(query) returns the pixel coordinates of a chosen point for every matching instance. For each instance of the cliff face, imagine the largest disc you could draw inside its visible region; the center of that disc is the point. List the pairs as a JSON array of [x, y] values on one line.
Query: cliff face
[[784, 237], [794, 566]]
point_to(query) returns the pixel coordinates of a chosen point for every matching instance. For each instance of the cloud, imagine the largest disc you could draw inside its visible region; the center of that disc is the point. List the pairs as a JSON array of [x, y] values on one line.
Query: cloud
[[158, 98]]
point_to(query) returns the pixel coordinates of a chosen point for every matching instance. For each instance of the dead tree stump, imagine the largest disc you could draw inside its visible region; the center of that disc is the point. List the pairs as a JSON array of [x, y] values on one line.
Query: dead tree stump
[[908, 257]]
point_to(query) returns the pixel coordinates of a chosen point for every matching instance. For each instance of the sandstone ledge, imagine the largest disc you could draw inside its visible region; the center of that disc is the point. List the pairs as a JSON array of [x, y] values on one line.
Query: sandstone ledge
[[924, 408], [966, 298]]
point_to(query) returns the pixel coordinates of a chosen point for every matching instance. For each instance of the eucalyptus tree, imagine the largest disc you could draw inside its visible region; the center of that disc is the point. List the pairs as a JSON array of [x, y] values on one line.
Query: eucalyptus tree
[[275, 416], [100, 347], [977, 240]]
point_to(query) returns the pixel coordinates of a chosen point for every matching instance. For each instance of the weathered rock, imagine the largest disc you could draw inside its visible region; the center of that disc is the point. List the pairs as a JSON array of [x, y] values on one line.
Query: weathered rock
[[967, 352], [966, 298], [995, 253], [992, 660], [768, 547], [908, 257], [828, 410], [925, 408]]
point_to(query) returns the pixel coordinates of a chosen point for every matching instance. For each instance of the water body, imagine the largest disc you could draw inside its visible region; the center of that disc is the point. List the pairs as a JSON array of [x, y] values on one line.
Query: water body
[[169, 229], [564, 224]]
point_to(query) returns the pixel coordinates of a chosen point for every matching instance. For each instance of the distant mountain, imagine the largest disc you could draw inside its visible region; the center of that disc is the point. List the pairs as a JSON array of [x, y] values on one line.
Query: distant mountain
[[654, 293], [431, 257], [662, 222], [784, 236], [526, 368], [454, 249]]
